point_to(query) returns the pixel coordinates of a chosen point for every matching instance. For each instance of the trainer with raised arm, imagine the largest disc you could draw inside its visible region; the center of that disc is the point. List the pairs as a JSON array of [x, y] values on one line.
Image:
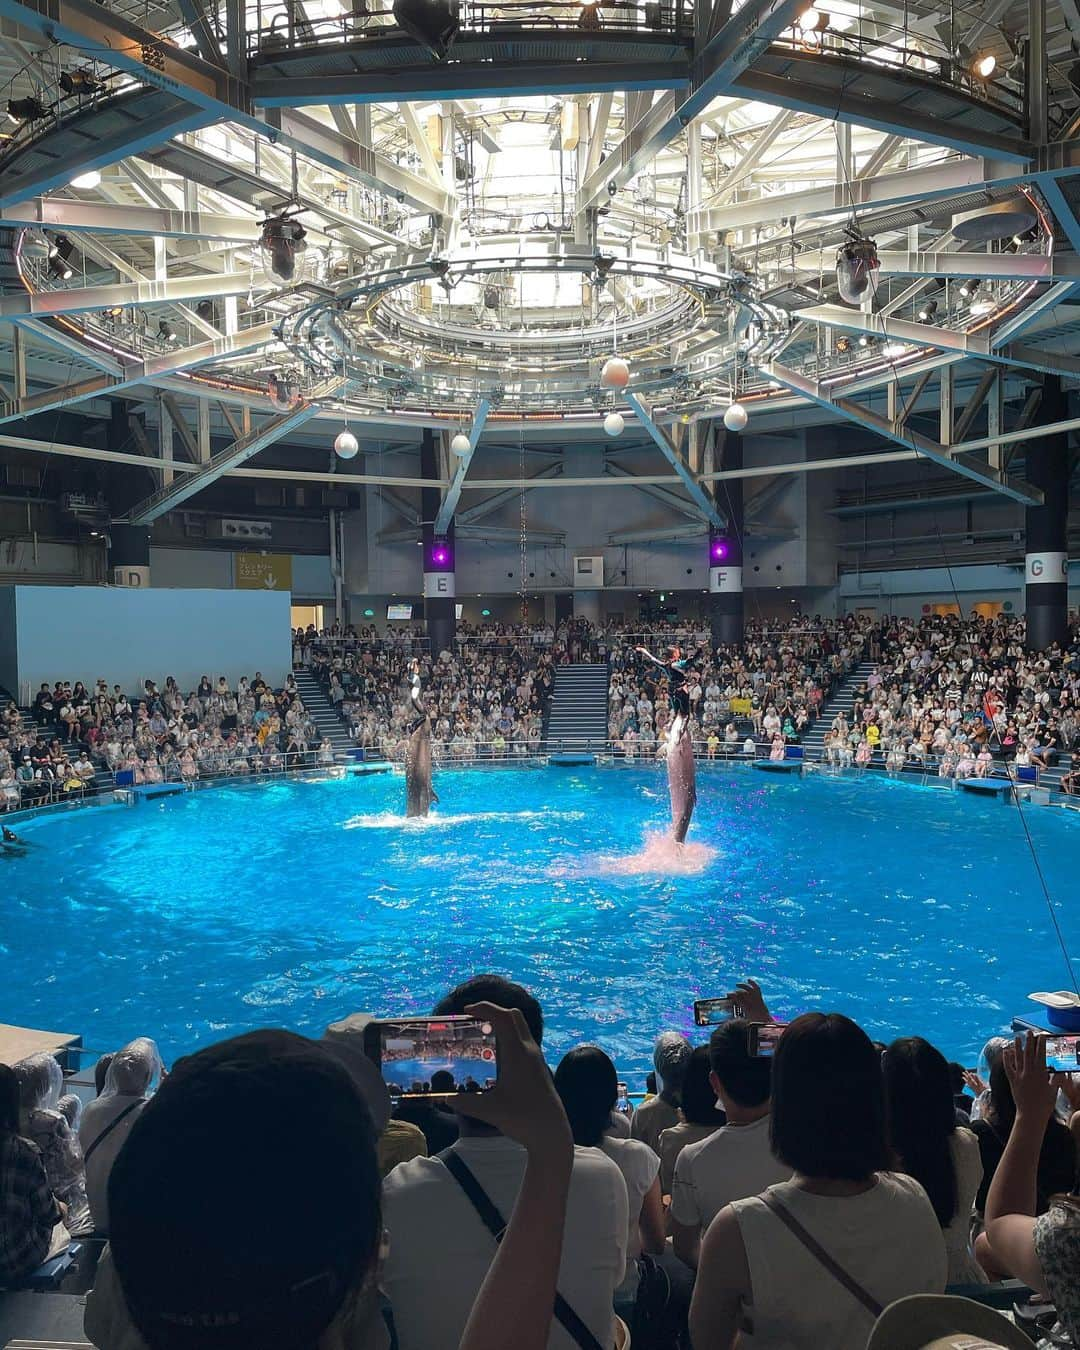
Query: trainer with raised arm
[[418, 791]]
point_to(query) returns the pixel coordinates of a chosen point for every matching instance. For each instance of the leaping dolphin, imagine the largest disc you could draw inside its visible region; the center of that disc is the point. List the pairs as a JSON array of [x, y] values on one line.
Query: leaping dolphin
[[682, 782], [418, 790]]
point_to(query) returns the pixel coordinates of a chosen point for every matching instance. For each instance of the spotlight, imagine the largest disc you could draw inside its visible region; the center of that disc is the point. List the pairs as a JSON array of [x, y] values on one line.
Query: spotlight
[[205, 310], [166, 332], [843, 344], [982, 301], [983, 65], [809, 20], [115, 314], [81, 82], [718, 551], [736, 417], [856, 263], [1027, 237], [927, 311], [281, 393], [59, 253], [892, 350], [433, 23], [346, 445], [26, 109], [491, 297], [866, 340], [85, 181], [440, 556], [968, 287], [283, 239]]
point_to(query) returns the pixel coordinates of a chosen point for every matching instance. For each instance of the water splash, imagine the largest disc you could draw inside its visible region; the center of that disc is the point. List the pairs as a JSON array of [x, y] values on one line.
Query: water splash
[[390, 820], [661, 854]]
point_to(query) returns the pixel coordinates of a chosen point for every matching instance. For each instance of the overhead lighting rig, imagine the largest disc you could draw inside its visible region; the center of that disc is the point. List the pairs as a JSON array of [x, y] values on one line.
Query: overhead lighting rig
[[856, 263], [283, 237]]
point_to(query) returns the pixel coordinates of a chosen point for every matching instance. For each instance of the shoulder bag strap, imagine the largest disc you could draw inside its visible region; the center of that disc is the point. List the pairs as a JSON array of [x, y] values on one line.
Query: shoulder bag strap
[[816, 1250], [494, 1222], [109, 1129]]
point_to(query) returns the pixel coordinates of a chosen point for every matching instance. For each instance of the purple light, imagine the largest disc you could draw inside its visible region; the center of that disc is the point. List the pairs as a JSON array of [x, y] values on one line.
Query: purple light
[[440, 556], [719, 550]]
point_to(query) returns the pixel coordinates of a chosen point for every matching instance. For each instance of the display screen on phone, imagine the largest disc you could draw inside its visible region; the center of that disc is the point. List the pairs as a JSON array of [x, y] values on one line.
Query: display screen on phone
[[1063, 1053], [764, 1037], [710, 1012], [433, 1056]]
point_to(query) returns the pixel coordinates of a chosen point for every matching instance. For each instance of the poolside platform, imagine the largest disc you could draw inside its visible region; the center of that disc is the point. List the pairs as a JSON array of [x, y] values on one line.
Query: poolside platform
[[147, 792], [568, 759], [778, 765], [18, 1042], [989, 787], [361, 769]]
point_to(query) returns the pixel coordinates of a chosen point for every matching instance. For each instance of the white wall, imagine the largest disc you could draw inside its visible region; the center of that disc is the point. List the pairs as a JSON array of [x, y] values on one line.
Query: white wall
[[127, 636]]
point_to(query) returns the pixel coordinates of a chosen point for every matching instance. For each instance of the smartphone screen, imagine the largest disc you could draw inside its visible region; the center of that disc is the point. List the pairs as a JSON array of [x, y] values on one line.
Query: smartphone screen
[[710, 1012], [763, 1038], [433, 1056], [1063, 1053]]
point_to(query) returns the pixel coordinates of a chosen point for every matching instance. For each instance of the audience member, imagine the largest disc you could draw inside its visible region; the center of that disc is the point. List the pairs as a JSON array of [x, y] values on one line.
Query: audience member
[[671, 1055], [701, 1114], [131, 1076], [40, 1081], [27, 1203]]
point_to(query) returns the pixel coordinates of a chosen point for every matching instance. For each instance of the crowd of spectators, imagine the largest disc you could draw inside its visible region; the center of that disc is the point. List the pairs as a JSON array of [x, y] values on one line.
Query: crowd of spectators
[[270, 1188], [163, 735]]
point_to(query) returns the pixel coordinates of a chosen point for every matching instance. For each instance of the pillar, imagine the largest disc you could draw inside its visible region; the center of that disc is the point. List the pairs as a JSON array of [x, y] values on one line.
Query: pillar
[[725, 552], [587, 606], [1046, 576], [440, 619], [129, 555]]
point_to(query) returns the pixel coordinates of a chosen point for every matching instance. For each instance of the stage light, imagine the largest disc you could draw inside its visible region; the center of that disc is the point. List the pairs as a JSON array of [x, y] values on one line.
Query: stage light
[[433, 23], [809, 20], [26, 109], [440, 556], [283, 239], [843, 344], [736, 417], [983, 65], [81, 82], [892, 350], [281, 393], [166, 332], [85, 181], [346, 445], [59, 253], [968, 287], [982, 301], [856, 263], [928, 310], [866, 340], [205, 310], [718, 551]]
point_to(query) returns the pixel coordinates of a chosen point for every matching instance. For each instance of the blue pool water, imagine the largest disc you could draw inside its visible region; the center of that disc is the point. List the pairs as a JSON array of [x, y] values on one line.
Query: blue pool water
[[913, 910]]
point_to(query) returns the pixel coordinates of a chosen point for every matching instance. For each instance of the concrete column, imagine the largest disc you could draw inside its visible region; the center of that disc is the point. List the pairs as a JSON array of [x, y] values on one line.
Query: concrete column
[[129, 555], [725, 551], [1046, 578], [439, 589]]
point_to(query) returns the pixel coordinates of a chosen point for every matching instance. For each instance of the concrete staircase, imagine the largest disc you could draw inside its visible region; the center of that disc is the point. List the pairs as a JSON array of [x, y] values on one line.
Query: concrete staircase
[[578, 717], [322, 711], [841, 700]]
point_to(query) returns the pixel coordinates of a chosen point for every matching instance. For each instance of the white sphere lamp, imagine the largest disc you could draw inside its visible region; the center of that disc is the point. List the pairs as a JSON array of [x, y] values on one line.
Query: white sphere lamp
[[346, 445], [615, 374], [461, 445], [614, 424], [736, 417]]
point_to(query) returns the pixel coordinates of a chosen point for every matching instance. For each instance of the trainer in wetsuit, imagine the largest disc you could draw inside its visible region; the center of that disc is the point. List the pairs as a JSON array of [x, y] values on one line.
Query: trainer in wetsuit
[[677, 668]]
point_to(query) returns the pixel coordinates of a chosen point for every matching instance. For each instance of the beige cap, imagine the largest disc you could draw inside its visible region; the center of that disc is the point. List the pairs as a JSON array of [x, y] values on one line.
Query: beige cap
[[944, 1322]]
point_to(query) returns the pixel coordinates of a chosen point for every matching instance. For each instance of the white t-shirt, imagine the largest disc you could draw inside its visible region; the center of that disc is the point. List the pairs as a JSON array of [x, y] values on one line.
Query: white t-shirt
[[639, 1166], [98, 1117], [887, 1239], [731, 1164], [440, 1249]]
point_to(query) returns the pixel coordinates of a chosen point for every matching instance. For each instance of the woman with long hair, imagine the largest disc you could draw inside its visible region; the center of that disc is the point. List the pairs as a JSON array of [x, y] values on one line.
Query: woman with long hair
[[929, 1145]]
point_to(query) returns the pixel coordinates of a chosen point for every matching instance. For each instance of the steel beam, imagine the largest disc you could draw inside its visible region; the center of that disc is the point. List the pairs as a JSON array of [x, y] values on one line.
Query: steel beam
[[205, 38], [492, 504], [53, 335], [981, 266], [988, 380], [449, 503], [674, 456], [168, 498], [669, 499], [1059, 205], [902, 435], [124, 295], [58, 213], [713, 73]]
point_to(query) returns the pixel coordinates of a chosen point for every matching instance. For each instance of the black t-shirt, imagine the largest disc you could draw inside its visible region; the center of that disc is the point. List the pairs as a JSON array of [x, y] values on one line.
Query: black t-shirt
[[1057, 1161]]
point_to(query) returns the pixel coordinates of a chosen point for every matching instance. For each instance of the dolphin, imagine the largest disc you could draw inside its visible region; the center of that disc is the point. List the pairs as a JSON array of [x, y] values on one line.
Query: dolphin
[[418, 790], [682, 783]]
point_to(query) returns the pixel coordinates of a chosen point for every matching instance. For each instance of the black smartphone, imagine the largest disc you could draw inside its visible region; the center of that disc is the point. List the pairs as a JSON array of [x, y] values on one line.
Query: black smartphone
[[763, 1038], [433, 1056], [710, 1012]]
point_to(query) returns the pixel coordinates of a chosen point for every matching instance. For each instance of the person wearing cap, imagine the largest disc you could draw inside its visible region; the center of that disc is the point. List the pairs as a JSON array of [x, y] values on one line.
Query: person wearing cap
[[1042, 1249], [245, 1204], [812, 1262], [671, 1055], [440, 1248]]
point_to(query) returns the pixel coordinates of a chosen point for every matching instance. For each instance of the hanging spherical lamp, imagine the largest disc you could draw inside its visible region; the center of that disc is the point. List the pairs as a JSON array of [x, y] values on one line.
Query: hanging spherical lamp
[[346, 445], [461, 445], [614, 424], [736, 417], [615, 374]]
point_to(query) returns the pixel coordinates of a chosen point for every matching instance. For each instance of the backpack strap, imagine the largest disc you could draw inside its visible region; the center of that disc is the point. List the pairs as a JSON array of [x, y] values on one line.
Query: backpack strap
[[109, 1129], [494, 1222], [816, 1250]]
